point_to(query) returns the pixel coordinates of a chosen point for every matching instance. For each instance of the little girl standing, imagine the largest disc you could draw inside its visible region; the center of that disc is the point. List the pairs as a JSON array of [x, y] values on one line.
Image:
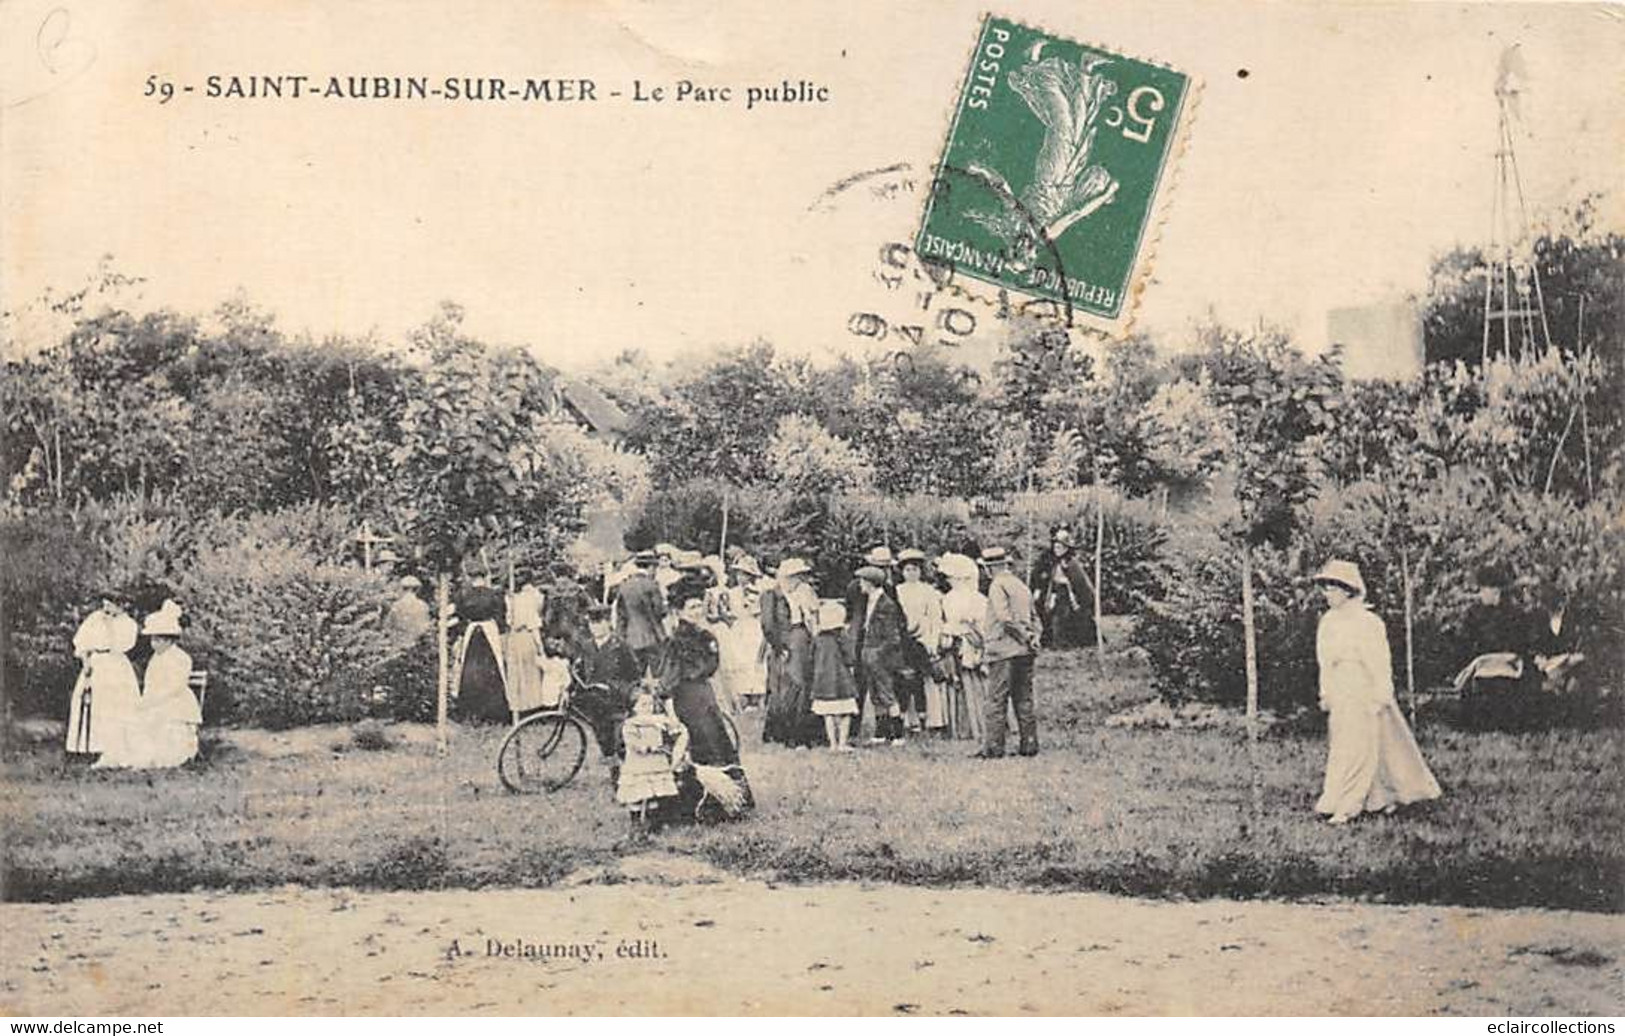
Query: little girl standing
[[656, 744], [835, 690]]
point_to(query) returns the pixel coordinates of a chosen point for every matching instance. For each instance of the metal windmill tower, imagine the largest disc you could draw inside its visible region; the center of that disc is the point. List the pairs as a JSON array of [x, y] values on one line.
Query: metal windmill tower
[[1514, 305]]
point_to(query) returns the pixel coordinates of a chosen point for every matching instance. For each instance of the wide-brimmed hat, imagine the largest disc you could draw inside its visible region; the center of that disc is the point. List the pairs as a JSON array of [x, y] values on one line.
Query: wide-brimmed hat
[[879, 556], [1342, 573], [871, 574], [664, 550], [410, 582], [911, 555], [994, 555], [831, 615], [957, 566], [386, 555], [1061, 534], [747, 564], [165, 622], [793, 567]]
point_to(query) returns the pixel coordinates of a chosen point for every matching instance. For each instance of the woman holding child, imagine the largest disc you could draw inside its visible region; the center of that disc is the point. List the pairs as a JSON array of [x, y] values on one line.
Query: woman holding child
[[688, 664]]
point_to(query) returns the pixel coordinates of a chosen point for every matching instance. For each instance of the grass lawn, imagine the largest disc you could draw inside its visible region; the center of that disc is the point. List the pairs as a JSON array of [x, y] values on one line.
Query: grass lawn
[[1526, 820]]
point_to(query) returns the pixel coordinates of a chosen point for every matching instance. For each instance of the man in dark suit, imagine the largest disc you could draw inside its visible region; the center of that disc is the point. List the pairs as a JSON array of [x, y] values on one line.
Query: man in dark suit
[[640, 613], [566, 628], [881, 629], [856, 599]]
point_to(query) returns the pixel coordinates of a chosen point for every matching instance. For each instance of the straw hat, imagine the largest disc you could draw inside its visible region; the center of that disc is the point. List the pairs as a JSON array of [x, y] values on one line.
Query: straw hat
[[747, 564], [165, 622], [911, 555], [831, 615], [793, 567], [879, 557], [1342, 573], [995, 556], [957, 566]]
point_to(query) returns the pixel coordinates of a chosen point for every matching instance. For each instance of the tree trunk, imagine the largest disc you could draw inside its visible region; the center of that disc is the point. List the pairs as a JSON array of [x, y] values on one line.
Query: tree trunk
[[442, 684], [56, 433], [1250, 643], [1100, 540], [1410, 650], [722, 541]]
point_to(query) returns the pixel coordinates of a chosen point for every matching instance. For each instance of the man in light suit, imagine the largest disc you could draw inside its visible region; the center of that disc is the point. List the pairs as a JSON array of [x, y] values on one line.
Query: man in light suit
[[1012, 635]]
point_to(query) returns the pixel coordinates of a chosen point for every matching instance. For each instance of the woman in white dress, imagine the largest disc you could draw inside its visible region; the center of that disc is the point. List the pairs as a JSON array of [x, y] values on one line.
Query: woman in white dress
[[964, 634], [741, 636], [169, 712], [1372, 762], [522, 653], [102, 707]]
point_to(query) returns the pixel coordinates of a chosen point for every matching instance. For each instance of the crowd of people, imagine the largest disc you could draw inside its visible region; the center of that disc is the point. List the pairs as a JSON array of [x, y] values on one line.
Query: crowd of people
[[911, 646], [906, 648]]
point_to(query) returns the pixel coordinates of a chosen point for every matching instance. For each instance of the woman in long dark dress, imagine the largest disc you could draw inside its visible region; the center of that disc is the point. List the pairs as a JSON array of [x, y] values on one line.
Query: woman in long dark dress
[[790, 720], [480, 680], [715, 788], [774, 618], [1064, 594]]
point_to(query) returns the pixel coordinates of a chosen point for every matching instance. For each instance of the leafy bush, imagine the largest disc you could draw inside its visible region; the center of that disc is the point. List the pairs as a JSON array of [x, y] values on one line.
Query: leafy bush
[[289, 629], [56, 563], [1192, 630], [1564, 553], [857, 523], [289, 636], [1136, 534]]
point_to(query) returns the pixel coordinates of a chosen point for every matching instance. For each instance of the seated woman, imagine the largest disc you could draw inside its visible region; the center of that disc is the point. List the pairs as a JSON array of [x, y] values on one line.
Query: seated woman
[[716, 787], [170, 715]]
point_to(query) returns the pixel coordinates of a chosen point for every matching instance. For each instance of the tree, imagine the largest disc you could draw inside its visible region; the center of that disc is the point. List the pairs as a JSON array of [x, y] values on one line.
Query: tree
[[806, 460], [467, 468], [1277, 403], [718, 422]]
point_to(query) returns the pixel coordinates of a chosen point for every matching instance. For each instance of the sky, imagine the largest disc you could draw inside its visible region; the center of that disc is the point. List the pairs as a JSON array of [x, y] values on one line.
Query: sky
[[1334, 149]]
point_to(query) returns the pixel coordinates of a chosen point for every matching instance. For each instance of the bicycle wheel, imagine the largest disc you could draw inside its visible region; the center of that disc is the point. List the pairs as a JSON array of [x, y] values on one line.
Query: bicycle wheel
[[543, 753]]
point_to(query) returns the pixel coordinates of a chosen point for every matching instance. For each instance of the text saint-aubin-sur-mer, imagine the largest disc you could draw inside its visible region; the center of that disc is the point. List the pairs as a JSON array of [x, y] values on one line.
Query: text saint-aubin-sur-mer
[[407, 88]]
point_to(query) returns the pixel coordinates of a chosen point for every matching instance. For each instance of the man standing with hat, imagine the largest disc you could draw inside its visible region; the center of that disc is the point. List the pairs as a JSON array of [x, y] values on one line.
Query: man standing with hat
[[921, 602], [1012, 634], [856, 598], [640, 613], [881, 632]]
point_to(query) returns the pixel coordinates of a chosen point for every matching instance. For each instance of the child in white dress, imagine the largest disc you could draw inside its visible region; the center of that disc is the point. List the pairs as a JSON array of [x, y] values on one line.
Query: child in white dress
[[656, 745]]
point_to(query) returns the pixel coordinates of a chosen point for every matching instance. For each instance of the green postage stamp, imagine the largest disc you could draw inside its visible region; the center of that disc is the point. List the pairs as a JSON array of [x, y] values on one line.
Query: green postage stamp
[[1049, 182]]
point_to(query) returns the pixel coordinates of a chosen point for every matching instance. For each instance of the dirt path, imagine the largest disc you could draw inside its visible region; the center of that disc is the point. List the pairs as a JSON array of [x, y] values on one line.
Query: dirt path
[[659, 935]]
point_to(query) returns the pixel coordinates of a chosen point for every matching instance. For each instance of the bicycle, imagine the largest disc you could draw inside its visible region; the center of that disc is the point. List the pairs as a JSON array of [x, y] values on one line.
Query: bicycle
[[545, 750]]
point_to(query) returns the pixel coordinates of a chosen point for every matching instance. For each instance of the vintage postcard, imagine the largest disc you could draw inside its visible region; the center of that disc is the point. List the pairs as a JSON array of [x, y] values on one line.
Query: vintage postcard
[[604, 507]]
